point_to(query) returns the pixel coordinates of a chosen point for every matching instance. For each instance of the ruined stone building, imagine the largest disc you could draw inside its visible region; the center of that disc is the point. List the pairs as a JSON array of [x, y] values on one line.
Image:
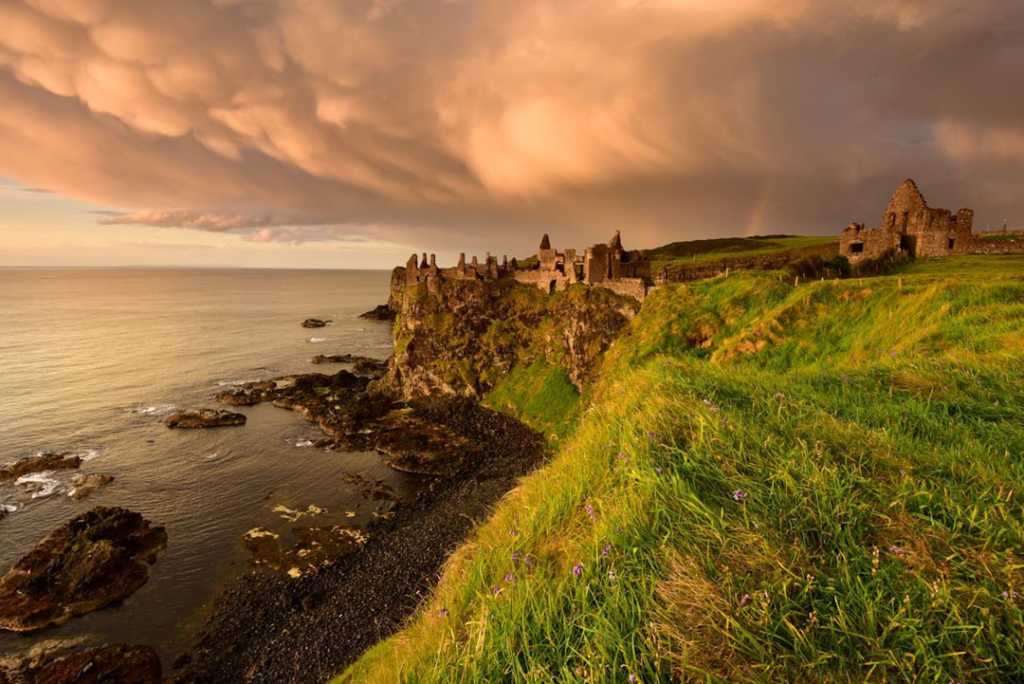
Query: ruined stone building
[[603, 265], [909, 226]]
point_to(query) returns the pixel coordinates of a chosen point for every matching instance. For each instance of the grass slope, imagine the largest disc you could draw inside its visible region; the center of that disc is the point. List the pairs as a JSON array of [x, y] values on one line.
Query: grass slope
[[771, 483], [697, 251], [542, 396]]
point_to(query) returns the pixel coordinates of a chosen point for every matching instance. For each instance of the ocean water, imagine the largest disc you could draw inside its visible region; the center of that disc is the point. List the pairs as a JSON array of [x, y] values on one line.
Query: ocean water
[[91, 360]]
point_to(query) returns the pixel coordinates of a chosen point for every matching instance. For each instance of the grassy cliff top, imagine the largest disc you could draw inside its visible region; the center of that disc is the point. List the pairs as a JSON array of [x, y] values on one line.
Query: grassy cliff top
[[771, 482]]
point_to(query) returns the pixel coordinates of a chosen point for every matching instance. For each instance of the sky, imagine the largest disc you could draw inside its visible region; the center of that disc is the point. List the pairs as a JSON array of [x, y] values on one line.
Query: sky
[[351, 133]]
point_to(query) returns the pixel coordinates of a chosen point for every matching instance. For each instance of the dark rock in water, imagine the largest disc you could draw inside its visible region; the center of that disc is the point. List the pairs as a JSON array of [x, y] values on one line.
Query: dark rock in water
[[314, 323], [239, 397], [381, 312], [204, 418], [96, 559], [83, 485], [115, 664], [39, 463], [339, 358]]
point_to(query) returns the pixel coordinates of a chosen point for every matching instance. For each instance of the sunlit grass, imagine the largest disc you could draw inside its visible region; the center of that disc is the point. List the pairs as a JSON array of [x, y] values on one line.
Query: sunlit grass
[[771, 483]]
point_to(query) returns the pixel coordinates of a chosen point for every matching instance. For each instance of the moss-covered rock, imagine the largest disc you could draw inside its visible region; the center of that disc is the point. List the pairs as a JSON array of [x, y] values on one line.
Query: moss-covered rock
[[463, 336]]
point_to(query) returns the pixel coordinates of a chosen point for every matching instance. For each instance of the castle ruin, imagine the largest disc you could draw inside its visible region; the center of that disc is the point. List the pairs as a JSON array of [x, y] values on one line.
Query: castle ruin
[[609, 266], [910, 227]]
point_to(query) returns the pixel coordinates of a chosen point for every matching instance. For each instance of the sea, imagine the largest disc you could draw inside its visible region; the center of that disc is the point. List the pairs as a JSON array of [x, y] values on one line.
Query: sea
[[93, 360]]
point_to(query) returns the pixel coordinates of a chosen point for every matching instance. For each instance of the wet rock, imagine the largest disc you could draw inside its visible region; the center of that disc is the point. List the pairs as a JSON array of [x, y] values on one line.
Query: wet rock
[[39, 463], [314, 323], [118, 663], [371, 367], [339, 358], [240, 397], [204, 418], [412, 444], [96, 559], [314, 548], [381, 312], [83, 485]]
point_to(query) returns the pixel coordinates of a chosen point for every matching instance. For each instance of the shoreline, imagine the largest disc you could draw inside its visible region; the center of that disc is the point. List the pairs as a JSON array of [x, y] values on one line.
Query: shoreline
[[266, 627]]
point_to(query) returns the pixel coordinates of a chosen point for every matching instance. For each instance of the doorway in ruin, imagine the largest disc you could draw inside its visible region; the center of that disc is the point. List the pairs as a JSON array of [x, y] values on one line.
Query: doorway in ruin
[[551, 286], [951, 244], [907, 244]]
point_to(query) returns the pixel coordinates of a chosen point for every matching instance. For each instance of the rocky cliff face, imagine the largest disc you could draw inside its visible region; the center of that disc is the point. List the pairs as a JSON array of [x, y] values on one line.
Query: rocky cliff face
[[460, 337]]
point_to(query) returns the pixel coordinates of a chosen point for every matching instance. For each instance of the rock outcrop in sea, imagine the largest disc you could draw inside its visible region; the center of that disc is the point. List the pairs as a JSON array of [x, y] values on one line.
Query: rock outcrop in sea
[[116, 664], [38, 464], [204, 418], [96, 559]]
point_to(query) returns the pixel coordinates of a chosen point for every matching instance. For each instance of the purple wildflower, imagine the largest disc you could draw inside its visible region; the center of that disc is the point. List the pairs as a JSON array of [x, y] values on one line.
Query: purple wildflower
[[590, 511], [443, 612], [509, 578], [495, 590], [632, 677], [515, 557], [577, 570], [739, 496], [529, 560], [606, 550]]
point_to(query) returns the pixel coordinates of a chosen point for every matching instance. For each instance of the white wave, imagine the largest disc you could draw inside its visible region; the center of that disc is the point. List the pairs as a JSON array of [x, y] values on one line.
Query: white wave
[[316, 340], [158, 410], [235, 383], [89, 454], [303, 443], [8, 508], [40, 484]]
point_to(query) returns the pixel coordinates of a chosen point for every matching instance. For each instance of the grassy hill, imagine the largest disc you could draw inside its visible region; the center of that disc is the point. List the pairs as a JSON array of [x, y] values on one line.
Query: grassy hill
[[766, 483], [699, 251]]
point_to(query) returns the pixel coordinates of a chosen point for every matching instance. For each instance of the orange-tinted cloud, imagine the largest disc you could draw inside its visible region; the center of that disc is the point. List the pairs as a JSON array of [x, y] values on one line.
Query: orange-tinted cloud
[[486, 120]]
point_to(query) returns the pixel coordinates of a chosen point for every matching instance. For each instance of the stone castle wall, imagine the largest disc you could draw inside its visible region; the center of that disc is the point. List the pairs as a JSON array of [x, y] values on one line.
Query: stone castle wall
[[608, 266]]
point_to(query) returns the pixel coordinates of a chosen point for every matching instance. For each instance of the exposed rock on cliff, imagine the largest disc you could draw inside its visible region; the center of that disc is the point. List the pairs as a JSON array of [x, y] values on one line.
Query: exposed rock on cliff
[[381, 312], [96, 559], [462, 336]]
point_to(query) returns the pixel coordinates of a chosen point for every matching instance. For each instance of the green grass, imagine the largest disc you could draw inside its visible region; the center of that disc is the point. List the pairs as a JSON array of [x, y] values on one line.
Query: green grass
[[872, 432], [699, 251], [540, 395]]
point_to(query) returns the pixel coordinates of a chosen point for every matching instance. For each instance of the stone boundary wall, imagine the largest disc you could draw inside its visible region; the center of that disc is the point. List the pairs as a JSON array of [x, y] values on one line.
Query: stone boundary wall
[[1005, 243]]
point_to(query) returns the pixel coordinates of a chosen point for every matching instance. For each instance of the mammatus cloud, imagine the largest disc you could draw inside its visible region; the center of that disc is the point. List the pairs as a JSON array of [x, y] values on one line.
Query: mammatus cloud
[[486, 122]]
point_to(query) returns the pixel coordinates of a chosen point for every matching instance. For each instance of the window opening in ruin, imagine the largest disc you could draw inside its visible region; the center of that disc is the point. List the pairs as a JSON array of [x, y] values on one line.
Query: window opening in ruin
[[856, 247], [952, 242], [906, 243], [551, 287]]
